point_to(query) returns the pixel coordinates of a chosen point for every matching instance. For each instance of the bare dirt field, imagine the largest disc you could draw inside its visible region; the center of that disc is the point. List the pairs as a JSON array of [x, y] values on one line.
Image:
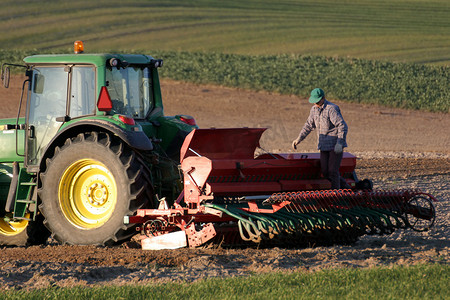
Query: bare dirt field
[[396, 148]]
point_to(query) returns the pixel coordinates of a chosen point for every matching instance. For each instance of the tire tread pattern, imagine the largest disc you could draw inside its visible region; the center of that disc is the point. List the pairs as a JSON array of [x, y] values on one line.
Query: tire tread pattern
[[138, 181]]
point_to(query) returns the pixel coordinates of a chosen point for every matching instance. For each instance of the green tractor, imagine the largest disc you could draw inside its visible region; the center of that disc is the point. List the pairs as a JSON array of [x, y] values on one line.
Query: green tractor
[[94, 146]]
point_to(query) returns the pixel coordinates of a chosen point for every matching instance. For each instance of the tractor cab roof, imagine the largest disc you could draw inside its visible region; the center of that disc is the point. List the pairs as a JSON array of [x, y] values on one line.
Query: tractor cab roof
[[96, 59]]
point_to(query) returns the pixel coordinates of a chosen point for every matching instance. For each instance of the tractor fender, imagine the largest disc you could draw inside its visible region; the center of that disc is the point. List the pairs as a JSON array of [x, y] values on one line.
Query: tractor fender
[[135, 139]]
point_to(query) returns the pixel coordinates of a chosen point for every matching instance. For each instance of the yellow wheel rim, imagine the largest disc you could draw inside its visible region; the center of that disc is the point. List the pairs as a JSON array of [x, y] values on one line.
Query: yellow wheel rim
[[11, 228], [87, 194]]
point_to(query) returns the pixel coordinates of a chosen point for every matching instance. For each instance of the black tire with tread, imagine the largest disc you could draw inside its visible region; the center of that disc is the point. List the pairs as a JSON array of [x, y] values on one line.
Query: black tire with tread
[[132, 183]]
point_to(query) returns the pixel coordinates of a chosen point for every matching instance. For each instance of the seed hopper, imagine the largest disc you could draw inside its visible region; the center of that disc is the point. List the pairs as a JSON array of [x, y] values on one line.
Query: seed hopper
[[232, 197]]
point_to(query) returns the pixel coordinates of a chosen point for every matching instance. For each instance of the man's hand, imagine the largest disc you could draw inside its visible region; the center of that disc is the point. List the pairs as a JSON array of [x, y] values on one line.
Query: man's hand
[[295, 143], [338, 148]]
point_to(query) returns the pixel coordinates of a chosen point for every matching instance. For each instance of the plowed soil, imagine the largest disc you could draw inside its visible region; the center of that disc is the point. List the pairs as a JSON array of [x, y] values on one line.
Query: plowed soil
[[396, 148]]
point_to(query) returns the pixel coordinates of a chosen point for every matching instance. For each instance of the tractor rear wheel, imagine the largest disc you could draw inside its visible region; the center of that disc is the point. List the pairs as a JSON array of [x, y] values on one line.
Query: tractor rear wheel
[[89, 185]]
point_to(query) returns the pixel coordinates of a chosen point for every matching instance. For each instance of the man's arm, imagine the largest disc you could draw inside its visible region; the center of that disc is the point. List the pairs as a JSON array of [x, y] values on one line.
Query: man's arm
[[307, 128], [338, 121]]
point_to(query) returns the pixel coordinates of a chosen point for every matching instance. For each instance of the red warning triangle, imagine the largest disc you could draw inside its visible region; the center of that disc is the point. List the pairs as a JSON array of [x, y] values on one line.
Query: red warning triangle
[[104, 100]]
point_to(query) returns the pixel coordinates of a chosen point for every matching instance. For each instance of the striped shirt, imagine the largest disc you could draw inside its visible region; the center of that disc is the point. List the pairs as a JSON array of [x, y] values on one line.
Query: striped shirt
[[330, 125]]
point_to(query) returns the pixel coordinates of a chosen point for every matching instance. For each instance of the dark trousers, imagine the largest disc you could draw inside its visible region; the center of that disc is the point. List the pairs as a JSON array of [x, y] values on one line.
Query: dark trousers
[[329, 164]]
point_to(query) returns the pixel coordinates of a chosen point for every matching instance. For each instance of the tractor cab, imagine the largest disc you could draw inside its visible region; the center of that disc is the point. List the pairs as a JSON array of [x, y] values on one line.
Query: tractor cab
[[63, 93]]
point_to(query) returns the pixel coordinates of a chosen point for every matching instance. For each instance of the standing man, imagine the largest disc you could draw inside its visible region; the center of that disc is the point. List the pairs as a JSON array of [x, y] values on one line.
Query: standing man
[[332, 131]]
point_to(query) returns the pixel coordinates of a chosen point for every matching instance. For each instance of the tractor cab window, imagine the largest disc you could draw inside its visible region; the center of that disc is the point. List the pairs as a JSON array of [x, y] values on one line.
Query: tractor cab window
[[82, 91], [130, 90], [46, 102]]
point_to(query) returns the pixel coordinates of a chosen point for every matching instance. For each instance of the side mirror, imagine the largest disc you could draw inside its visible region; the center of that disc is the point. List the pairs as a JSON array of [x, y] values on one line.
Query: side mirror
[[5, 76], [156, 63]]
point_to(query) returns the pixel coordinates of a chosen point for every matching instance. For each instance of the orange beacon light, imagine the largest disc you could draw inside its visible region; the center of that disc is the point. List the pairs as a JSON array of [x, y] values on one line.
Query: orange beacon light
[[78, 47]]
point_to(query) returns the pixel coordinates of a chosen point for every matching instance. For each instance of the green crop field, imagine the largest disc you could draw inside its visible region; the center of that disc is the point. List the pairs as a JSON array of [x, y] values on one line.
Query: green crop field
[[398, 31]]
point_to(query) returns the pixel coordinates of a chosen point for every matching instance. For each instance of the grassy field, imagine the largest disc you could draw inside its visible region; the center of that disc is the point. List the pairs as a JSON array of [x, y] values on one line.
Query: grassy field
[[415, 282], [398, 31]]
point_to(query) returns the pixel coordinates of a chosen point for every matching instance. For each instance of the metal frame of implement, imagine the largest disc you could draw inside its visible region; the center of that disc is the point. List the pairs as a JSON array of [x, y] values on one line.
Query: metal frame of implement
[[274, 198]]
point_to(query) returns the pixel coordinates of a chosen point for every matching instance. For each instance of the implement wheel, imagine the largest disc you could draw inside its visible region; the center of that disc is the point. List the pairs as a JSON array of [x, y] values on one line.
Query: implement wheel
[[90, 184], [421, 213]]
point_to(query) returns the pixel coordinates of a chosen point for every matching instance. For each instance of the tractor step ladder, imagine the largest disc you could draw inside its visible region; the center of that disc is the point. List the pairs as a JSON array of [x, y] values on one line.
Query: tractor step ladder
[[25, 198]]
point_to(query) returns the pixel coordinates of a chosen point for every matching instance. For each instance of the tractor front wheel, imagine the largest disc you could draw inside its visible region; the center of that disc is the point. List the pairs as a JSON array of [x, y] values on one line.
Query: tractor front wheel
[[89, 185], [13, 232], [23, 232]]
